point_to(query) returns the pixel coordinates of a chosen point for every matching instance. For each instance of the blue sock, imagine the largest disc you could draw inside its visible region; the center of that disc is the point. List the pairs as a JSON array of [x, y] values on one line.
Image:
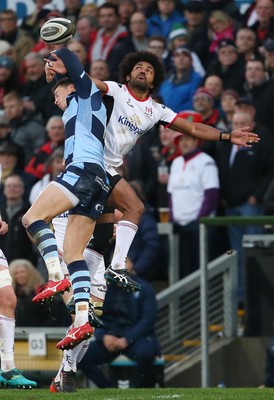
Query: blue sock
[[46, 243], [80, 280]]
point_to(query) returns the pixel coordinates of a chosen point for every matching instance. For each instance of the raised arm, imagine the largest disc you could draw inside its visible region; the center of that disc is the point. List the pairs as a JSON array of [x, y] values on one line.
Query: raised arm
[[239, 136], [54, 65]]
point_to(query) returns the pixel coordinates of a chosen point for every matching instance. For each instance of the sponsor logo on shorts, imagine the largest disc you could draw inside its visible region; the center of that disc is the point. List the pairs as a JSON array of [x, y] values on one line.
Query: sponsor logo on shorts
[[99, 207], [102, 183]]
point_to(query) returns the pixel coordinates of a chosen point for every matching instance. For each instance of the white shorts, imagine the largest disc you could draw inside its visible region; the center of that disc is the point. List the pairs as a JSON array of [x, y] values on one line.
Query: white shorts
[[3, 260]]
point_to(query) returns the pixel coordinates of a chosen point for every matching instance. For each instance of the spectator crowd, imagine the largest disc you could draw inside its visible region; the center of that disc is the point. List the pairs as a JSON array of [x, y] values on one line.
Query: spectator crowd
[[219, 69]]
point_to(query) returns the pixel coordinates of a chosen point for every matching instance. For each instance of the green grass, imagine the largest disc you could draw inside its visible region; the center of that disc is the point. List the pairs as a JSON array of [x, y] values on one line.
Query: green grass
[[140, 394]]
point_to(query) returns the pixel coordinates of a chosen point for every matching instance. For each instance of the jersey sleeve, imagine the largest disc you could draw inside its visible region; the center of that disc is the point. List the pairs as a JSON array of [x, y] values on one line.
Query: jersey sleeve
[[166, 115], [76, 72], [113, 88]]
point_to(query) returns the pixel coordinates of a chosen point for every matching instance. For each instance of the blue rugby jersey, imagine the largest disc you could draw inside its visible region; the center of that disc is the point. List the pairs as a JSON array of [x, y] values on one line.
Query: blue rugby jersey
[[85, 116]]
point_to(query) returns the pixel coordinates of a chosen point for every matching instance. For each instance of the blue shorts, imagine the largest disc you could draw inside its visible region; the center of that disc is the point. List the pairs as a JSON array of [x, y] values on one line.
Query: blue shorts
[[89, 183]]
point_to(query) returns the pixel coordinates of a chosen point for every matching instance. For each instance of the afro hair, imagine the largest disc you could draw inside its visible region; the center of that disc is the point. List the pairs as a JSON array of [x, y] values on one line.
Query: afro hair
[[132, 59]]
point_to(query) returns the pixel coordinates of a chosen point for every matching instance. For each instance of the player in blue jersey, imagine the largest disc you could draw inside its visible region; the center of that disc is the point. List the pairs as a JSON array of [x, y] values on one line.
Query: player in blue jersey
[[82, 188]]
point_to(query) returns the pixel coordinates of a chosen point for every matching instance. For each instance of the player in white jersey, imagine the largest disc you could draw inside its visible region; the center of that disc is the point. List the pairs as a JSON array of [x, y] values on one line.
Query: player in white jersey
[[10, 376], [131, 113]]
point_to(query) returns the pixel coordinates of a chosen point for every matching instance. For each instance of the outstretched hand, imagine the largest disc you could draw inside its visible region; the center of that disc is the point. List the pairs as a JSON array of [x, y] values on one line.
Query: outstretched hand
[[53, 67], [242, 137]]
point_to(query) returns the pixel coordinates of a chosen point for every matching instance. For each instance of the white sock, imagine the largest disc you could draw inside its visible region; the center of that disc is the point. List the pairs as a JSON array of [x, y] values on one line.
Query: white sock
[[7, 327], [83, 350], [93, 260], [81, 316], [54, 270], [125, 233]]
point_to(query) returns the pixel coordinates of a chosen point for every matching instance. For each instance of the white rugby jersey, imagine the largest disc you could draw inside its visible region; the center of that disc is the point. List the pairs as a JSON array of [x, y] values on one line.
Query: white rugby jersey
[[187, 182], [128, 119]]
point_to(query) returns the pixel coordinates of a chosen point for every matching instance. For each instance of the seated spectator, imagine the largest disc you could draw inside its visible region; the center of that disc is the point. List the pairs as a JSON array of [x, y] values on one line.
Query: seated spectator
[[203, 103], [38, 165], [178, 88], [157, 44], [264, 26], [21, 41], [193, 186], [8, 78], [86, 28], [228, 103], [215, 85], [230, 7], [16, 243], [27, 128], [261, 91], [112, 41], [228, 66], [125, 9], [196, 25], [138, 29], [54, 165], [129, 329], [26, 280], [247, 45], [160, 23], [79, 50], [220, 27], [88, 9], [99, 70], [11, 162], [36, 91], [179, 37]]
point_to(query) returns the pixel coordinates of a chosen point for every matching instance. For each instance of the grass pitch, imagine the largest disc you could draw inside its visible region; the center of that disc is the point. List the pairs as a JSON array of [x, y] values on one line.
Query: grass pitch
[[140, 394]]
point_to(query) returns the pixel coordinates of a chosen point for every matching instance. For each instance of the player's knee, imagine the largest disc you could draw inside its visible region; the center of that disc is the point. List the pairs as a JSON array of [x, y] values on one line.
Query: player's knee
[[25, 221], [140, 208], [7, 296], [101, 237]]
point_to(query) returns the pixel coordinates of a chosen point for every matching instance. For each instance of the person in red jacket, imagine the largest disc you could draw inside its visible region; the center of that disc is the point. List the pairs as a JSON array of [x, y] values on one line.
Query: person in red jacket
[[38, 165]]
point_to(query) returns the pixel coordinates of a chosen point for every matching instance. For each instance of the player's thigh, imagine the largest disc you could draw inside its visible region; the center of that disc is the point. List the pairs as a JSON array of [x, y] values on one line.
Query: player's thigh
[[78, 233], [51, 202], [124, 198]]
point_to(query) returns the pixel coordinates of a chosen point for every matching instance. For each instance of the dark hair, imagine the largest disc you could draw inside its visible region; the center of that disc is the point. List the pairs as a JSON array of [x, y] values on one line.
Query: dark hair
[[114, 7], [132, 59], [63, 82]]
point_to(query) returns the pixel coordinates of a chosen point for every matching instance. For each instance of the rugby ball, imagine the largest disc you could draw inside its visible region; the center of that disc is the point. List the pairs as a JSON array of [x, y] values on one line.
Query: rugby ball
[[57, 31]]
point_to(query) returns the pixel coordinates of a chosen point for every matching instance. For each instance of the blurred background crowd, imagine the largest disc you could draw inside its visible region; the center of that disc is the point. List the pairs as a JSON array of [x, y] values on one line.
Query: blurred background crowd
[[219, 62]]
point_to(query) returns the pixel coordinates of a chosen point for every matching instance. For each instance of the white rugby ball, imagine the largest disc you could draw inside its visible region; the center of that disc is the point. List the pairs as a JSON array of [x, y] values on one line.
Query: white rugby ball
[[57, 31]]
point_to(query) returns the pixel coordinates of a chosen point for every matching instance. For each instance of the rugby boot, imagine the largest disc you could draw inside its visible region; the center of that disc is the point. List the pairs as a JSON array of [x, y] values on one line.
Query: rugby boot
[[15, 379], [52, 288], [122, 279], [75, 336]]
